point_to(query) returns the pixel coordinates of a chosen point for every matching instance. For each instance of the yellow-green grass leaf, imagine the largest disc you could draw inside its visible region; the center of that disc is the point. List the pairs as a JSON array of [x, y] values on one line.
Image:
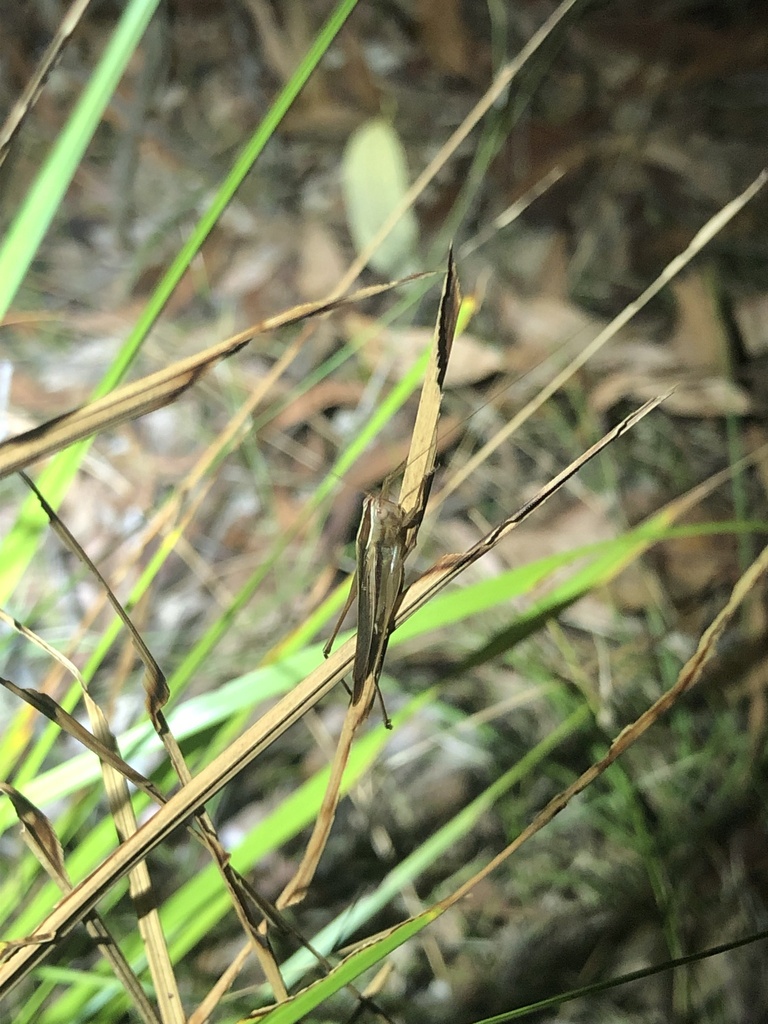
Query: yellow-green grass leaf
[[375, 179]]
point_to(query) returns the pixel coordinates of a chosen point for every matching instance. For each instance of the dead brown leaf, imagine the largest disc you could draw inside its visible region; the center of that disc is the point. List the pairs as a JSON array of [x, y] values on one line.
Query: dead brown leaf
[[153, 391], [445, 35], [321, 262], [700, 338], [751, 313], [474, 360], [693, 395]]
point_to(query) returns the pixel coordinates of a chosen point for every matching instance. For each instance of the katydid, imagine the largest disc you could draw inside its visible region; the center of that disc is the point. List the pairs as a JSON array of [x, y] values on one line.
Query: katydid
[[381, 551]]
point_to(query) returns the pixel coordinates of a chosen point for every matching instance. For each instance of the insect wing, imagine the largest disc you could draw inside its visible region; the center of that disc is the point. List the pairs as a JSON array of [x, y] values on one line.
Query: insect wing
[[380, 560], [366, 591]]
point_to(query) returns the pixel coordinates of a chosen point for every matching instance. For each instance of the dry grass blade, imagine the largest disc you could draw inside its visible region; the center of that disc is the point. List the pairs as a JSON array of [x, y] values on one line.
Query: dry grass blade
[[45, 65], [497, 89], [28, 634], [47, 706], [156, 688], [243, 898], [420, 465], [155, 684], [41, 838], [448, 567], [144, 897], [207, 1007], [53, 711], [179, 509], [262, 734], [689, 676], [298, 886], [702, 237], [105, 749], [139, 881], [516, 209], [157, 389], [379, 574]]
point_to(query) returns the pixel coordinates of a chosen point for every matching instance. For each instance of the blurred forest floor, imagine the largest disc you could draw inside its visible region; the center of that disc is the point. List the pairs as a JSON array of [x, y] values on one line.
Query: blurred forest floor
[[656, 114]]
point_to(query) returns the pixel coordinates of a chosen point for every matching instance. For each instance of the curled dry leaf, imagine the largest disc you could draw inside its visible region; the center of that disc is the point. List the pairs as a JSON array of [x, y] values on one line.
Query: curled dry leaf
[[155, 390], [39, 834], [700, 338], [543, 323], [693, 396], [751, 315], [321, 261]]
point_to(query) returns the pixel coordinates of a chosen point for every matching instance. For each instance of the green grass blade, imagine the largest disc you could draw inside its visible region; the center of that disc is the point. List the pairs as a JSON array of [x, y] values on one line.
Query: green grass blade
[[21, 542], [423, 858], [19, 546], [44, 197]]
